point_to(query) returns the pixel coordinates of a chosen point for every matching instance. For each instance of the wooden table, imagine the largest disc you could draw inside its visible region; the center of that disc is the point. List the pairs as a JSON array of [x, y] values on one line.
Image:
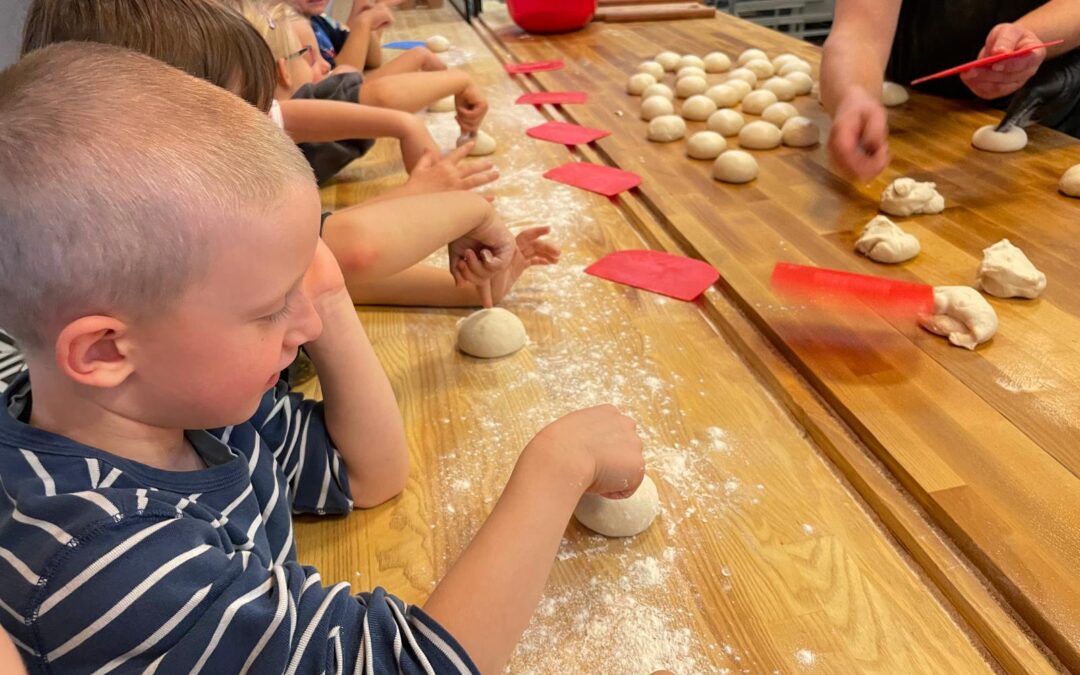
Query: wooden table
[[774, 437]]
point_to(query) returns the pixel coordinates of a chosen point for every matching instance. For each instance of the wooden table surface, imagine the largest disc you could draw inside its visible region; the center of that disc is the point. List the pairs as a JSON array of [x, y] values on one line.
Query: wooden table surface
[[784, 544]]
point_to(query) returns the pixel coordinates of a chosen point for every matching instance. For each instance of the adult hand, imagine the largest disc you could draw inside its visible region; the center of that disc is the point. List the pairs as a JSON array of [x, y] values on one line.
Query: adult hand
[[859, 139], [1005, 77]]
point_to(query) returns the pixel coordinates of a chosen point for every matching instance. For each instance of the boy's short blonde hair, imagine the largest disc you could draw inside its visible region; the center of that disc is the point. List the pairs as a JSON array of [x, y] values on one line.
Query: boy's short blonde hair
[[119, 176], [272, 21]]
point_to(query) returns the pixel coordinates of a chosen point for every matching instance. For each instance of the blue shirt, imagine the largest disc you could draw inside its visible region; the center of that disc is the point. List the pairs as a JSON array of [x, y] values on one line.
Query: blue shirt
[[331, 37]]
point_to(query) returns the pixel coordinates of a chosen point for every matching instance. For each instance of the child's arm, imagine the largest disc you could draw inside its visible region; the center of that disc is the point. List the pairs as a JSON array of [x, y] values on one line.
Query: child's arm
[[443, 174], [486, 599], [413, 92], [362, 26]]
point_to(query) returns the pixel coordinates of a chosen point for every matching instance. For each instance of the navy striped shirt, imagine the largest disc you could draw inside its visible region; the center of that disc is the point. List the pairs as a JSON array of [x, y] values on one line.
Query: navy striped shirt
[[107, 565]]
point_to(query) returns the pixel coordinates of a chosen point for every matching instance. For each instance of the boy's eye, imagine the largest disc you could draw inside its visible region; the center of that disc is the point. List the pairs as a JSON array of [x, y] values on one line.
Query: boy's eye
[[280, 314]]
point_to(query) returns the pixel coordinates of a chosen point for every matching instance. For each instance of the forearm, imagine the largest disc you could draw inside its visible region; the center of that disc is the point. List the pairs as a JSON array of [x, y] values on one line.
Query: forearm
[[418, 286], [413, 92], [857, 49], [374, 53], [355, 50], [1055, 20], [362, 415]]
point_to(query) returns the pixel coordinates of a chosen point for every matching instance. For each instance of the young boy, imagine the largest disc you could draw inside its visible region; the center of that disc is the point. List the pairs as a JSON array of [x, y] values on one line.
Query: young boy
[[159, 288]]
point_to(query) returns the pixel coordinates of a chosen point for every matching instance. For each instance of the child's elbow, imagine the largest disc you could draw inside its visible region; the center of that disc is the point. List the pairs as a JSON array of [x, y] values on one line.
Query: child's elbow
[[358, 259], [371, 491]]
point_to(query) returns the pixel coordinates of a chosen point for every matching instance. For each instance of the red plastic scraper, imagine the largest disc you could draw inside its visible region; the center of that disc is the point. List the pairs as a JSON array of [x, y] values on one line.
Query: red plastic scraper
[[533, 67], [986, 61], [671, 275], [848, 290], [597, 178], [567, 134], [552, 97]]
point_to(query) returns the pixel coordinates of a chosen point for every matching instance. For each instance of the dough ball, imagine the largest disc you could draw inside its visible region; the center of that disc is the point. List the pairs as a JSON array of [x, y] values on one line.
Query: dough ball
[[760, 68], [652, 68], [892, 94], [698, 108], [724, 96], [741, 86], [620, 517], [782, 87], [691, 61], [1007, 273], [1070, 182], [638, 83], [962, 315], [690, 86], [491, 333], [438, 43], [725, 122], [716, 62], [443, 105], [655, 106], [745, 75], [735, 166], [756, 101], [883, 241], [797, 66], [485, 144], [778, 113], [705, 145], [779, 61], [799, 132], [669, 60], [804, 84], [666, 128], [751, 55], [985, 138], [658, 89], [908, 197], [759, 135], [688, 71]]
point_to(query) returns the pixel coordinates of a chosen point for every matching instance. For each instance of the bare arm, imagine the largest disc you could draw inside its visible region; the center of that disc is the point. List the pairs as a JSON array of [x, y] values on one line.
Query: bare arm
[[1055, 20], [857, 49]]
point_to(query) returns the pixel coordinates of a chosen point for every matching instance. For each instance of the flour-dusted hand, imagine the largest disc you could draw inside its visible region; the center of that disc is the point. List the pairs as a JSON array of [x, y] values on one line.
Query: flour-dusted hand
[[532, 249], [481, 254]]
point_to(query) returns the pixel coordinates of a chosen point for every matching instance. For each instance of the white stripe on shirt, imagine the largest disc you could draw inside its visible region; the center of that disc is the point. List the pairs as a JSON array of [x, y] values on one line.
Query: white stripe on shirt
[[19, 566], [113, 474], [441, 645], [35, 464], [305, 637], [226, 619], [279, 615], [52, 530], [98, 500]]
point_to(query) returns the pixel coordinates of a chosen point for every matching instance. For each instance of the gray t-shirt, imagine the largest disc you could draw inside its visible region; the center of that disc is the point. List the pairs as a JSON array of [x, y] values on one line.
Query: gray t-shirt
[[326, 159]]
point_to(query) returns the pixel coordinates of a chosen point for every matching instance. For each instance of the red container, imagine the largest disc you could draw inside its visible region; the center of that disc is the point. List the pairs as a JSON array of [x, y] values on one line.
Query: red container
[[551, 16]]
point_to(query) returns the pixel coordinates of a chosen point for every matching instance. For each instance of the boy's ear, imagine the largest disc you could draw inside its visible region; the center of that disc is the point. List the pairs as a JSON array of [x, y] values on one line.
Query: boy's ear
[[95, 351], [283, 77]]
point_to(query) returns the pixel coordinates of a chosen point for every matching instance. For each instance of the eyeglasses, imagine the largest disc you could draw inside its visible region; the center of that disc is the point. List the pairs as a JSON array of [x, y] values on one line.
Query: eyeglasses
[[307, 52]]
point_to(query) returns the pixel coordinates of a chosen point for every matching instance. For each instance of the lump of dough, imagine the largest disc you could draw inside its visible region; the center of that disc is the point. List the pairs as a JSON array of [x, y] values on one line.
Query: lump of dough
[[666, 128], [698, 108], [985, 138], [756, 101], [725, 122], [491, 333], [655, 106], [799, 132], [1007, 273], [745, 75], [438, 43], [1070, 182], [782, 87], [759, 135], [690, 86], [778, 113], [638, 83], [962, 315], [723, 95], [669, 60], [804, 84], [892, 94], [779, 61], [797, 66], [705, 145], [658, 89], [620, 517], [735, 166], [691, 61], [908, 197], [741, 86], [760, 68], [716, 62], [652, 68], [751, 55], [485, 144], [883, 241], [688, 71], [443, 105]]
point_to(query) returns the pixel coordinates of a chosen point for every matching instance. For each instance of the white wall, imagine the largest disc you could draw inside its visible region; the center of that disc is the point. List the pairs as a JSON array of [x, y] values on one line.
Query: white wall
[[12, 13]]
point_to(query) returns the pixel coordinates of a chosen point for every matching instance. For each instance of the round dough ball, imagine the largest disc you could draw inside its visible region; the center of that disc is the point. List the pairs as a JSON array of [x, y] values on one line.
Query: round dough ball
[[666, 128], [698, 108], [797, 66], [652, 68], [783, 59], [759, 135], [744, 74], [724, 96], [782, 87], [717, 62], [751, 55], [669, 60], [658, 89], [491, 333], [691, 61], [804, 84], [725, 122], [688, 71], [438, 43], [1070, 181], [443, 105], [756, 101], [620, 517], [800, 132], [892, 94], [690, 86], [760, 68], [655, 106], [638, 83], [741, 86], [484, 144], [985, 138], [778, 113], [705, 145], [735, 166]]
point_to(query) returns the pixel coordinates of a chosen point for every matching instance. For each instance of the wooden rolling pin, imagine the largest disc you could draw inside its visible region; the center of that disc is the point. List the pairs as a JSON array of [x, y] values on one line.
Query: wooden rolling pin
[[653, 12]]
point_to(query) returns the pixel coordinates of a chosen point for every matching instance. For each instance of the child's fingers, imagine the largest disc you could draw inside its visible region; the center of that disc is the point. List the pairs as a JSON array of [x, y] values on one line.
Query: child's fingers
[[485, 294], [479, 180], [460, 153]]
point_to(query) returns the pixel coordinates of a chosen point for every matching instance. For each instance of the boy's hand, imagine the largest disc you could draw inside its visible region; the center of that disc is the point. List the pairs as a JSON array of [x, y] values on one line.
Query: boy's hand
[[374, 18], [1005, 77], [531, 250], [450, 173], [471, 105], [480, 255]]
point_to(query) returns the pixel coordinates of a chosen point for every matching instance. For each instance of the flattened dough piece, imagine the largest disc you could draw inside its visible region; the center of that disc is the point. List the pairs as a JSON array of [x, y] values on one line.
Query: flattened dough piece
[[962, 315]]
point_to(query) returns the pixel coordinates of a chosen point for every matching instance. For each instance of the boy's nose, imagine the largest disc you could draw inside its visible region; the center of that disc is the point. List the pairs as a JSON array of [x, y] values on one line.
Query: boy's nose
[[308, 324]]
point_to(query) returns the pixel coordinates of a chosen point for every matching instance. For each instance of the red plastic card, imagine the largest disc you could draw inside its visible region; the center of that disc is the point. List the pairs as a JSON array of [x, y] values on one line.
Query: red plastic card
[[533, 67], [552, 97], [985, 61], [567, 134], [595, 178], [671, 275], [853, 291]]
